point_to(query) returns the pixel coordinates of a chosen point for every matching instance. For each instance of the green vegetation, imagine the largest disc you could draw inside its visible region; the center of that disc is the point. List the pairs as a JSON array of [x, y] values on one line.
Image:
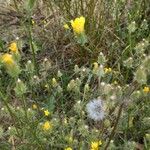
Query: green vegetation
[[74, 75]]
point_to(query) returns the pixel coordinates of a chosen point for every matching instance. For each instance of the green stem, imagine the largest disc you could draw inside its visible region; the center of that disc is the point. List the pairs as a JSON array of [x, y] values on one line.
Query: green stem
[[13, 116], [32, 49], [25, 108]]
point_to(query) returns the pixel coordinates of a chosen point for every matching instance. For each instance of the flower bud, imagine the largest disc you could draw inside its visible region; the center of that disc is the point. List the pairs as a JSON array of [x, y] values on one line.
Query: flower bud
[[95, 68], [132, 27], [54, 82], [30, 67], [71, 85], [86, 87], [141, 46], [76, 69], [101, 58], [20, 88], [129, 62], [59, 74], [46, 64], [136, 95], [140, 75]]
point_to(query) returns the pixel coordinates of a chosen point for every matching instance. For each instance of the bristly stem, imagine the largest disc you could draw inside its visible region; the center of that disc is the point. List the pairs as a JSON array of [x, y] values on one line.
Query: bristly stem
[[115, 126], [13, 116], [33, 50], [134, 86]]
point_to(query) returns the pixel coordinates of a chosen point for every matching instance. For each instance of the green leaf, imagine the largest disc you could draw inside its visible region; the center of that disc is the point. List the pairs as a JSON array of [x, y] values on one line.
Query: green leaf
[[31, 4]]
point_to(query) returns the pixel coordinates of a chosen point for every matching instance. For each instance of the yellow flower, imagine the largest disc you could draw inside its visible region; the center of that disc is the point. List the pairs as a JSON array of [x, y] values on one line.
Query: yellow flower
[[13, 47], [46, 85], [115, 82], [47, 126], [54, 82], [100, 142], [95, 145], [34, 106], [66, 26], [107, 70], [33, 22], [65, 121], [46, 112], [146, 89], [96, 67], [78, 25], [44, 21], [7, 59], [68, 148]]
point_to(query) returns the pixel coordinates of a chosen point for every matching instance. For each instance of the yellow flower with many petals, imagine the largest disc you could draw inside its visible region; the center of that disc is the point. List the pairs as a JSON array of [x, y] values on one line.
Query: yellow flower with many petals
[[13, 47], [146, 89], [95, 145], [7, 59], [47, 126], [78, 25], [11, 66], [107, 70], [46, 112], [68, 148]]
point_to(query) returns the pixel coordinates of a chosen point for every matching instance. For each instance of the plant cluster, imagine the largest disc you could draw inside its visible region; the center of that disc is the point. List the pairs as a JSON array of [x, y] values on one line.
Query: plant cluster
[[99, 101]]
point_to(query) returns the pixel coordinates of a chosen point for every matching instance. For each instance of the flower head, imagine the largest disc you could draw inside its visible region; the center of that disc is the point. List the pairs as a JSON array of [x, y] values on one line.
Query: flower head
[[33, 22], [146, 89], [46, 112], [66, 26], [34, 106], [47, 126], [54, 82], [7, 59], [68, 148], [107, 70], [95, 145], [95, 109], [78, 25], [13, 47], [95, 67]]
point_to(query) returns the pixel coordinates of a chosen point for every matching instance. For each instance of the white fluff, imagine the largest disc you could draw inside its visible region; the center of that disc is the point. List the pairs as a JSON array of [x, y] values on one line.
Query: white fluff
[[95, 109]]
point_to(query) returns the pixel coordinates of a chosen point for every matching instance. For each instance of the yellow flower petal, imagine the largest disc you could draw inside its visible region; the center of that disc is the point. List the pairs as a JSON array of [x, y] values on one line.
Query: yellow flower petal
[[68, 148], [34, 106], [66, 26], [78, 25], [13, 47], [47, 126], [46, 112], [146, 89], [7, 59], [95, 145]]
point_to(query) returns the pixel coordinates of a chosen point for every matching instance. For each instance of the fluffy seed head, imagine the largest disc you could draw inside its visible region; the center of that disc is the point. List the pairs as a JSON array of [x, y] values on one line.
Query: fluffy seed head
[[95, 109]]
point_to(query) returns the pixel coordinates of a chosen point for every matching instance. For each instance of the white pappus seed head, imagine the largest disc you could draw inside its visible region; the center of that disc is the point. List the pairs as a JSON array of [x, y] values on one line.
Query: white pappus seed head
[[103, 83], [45, 59], [29, 62], [17, 38], [18, 80], [95, 109]]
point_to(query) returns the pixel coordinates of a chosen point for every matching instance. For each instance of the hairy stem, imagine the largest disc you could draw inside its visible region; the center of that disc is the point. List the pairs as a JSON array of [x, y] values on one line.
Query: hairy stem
[[115, 126]]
